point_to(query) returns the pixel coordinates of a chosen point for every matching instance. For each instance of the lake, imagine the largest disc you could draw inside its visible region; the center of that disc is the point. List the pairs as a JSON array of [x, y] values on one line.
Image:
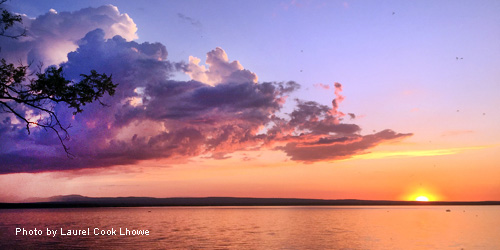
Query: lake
[[315, 227]]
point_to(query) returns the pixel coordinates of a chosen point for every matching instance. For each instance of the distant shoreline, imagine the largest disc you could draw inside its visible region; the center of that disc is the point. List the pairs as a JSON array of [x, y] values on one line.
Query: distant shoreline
[[88, 202]]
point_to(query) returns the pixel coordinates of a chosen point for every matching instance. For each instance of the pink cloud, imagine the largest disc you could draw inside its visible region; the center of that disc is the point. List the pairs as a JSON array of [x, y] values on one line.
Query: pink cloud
[[219, 70], [338, 148], [457, 132], [322, 86], [338, 99]]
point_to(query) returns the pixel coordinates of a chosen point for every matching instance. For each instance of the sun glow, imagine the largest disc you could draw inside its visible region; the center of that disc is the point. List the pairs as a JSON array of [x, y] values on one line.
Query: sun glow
[[422, 198], [423, 194]]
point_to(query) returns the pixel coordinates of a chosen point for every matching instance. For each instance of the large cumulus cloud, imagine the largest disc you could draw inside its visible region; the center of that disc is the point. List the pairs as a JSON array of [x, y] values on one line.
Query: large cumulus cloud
[[219, 69], [223, 109], [50, 37]]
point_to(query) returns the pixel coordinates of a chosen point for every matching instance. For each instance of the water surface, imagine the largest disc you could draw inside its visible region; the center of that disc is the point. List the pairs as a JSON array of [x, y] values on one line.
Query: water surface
[[362, 227]]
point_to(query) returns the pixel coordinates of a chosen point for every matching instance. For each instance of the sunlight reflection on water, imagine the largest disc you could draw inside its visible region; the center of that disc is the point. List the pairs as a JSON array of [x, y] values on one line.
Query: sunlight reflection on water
[[374, 227]]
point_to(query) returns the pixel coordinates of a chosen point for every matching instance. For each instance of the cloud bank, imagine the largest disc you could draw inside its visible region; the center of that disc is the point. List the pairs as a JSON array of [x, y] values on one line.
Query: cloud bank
[[222, 109]]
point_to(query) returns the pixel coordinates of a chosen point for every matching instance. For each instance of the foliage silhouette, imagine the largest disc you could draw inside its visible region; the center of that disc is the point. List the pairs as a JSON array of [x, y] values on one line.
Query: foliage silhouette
[[32, 97]]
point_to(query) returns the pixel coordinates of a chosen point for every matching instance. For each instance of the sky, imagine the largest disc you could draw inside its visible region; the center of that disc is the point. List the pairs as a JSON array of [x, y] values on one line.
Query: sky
[[383, 100]]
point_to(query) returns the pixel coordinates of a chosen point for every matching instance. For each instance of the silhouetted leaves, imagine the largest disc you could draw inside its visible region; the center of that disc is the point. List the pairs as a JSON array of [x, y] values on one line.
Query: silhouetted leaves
[[32, 100], [53, 86]]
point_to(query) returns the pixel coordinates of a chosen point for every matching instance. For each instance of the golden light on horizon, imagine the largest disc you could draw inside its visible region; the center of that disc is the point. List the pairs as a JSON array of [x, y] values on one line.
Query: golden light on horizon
[[417, 153], [423, 194], [422, 198]]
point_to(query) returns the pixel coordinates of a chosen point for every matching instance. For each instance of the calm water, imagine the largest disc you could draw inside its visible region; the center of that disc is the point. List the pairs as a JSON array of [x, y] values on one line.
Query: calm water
[[402, 227]]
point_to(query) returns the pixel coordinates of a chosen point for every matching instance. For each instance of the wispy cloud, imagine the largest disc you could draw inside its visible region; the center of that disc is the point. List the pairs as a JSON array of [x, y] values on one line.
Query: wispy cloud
[[456, 132], [417, 153], [190, 20], [322, 86]]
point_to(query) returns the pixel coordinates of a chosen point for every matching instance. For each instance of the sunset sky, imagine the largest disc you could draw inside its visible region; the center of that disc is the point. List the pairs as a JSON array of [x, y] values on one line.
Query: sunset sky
[[306, 99]]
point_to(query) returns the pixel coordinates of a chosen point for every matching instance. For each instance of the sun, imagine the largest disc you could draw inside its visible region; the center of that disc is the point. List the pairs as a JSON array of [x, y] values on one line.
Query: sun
[[422, 194], [422, 198]]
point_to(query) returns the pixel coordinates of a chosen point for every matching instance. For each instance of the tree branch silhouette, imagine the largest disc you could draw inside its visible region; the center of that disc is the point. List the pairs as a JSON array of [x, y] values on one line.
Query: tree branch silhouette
[[27, 97]]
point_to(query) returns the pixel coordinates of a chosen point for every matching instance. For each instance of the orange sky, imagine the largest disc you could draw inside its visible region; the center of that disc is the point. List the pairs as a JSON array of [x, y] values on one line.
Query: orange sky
[[364, 100], [460, 175]]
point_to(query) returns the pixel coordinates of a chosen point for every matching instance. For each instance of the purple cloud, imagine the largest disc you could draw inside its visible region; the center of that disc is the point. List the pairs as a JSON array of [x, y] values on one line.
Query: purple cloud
[[223, 109]]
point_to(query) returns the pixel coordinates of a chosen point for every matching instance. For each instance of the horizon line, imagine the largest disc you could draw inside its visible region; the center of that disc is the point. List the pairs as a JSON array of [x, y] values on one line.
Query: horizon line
[[79, 201]]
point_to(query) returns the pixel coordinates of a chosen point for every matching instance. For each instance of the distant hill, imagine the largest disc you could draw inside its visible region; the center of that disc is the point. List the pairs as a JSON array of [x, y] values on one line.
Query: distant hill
[[83, 201], [58, 198]]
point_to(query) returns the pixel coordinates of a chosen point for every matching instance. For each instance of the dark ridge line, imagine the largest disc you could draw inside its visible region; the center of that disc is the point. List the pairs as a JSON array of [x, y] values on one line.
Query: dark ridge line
[[88, 202]]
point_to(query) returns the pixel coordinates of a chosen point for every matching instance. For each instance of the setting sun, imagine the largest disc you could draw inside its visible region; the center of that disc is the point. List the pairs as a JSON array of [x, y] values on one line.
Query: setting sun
[[422, 198], [423, 193]]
